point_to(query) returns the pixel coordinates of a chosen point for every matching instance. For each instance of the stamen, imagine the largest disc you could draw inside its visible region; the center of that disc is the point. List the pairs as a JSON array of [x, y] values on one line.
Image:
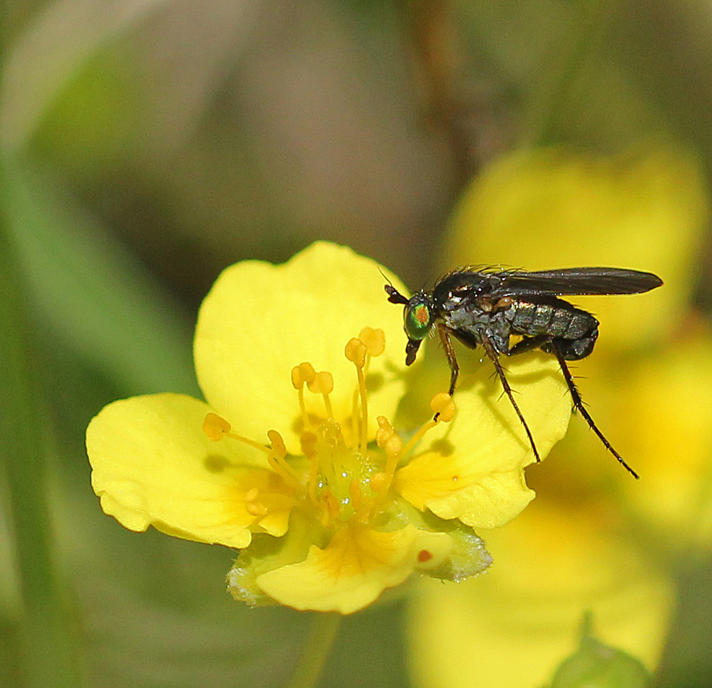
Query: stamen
[[323, 383], [355, 352], [301, 374], [375, 340], [391, 443], [252, 506], [308, 442], [216, 428], [444, 408], [277, 457]]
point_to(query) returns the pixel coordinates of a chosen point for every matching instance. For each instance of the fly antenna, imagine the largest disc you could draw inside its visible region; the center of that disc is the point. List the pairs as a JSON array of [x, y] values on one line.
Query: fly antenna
[[394, 296]]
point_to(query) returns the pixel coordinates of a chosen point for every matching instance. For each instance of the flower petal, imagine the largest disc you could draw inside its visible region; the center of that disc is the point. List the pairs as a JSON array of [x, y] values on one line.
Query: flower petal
[[473, 468], [550, 567], [354, 568], [153, 465], [673, 456], [260, 320]]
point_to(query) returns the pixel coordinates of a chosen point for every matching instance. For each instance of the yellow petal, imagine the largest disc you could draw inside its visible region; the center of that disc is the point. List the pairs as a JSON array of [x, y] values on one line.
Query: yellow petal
[[472, 469], [153, 465], [547, 209], [549, 568], [663, 408], [354, 568], [260, 320]]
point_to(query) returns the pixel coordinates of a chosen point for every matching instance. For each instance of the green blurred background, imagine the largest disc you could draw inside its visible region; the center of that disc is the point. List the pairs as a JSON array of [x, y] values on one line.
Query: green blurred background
[[146, 145]]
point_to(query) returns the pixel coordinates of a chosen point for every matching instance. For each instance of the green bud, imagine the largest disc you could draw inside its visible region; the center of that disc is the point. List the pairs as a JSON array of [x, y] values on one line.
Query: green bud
[[595, 665]]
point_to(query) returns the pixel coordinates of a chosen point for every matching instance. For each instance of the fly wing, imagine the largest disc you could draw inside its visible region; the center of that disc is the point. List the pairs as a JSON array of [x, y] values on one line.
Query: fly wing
[[572, 282]]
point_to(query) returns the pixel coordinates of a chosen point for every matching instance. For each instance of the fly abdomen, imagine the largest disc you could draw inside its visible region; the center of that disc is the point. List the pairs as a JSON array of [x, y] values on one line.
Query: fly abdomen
[[558, 320]]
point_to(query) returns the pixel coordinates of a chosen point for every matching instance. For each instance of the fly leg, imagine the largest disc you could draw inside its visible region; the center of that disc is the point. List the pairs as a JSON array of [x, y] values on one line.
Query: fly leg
[[451, 359], [527, 344], [494, 357], [578, 405]]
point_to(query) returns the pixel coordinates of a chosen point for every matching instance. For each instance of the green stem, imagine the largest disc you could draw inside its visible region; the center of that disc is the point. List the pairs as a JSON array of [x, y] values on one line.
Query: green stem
[[47, 654], [316, 650], [550, 102]]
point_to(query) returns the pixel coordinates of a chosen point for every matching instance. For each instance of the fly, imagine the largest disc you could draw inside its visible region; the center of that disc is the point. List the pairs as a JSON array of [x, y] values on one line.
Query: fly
[[487, 306]]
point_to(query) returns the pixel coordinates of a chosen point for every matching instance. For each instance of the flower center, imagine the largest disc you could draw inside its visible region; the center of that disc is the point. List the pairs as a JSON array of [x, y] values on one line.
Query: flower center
[[344, 477]]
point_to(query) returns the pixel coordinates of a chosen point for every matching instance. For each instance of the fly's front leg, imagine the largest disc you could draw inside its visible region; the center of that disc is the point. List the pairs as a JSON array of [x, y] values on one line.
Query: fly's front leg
[[494, 357], [451, 359]]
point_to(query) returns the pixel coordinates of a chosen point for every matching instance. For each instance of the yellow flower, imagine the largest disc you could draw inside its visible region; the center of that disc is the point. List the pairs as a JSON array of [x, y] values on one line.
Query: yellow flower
[[294, 457], [592, 542]]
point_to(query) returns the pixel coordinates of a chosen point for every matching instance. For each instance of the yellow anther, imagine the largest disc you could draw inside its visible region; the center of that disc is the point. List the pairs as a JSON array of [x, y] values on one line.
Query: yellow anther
[[215, 427], [256, 509], [321, 383], [252, 494], [380, 482], [303, 373], [307, 440], [374, 339], [393, 446], [356, 352], [385, 431], [278, 447], [443, 406]]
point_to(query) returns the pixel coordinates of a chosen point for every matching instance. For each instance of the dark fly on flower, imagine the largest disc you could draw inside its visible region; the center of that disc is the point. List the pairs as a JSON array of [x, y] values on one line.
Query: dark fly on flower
[[486, 306]]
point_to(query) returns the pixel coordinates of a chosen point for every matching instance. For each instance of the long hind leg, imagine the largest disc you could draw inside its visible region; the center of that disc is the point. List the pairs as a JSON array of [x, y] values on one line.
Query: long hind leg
[[578, 404]]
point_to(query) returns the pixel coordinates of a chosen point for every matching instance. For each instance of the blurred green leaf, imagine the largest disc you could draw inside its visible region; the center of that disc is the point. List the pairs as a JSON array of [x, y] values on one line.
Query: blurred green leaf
[[54, 45], [92, 294]]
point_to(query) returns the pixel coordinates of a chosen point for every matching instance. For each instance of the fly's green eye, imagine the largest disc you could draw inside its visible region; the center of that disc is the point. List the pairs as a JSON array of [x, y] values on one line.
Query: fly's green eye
[[417, 321]]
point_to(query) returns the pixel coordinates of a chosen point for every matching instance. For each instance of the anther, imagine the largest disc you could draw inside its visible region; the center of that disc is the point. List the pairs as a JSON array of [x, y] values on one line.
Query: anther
[[278, 447], [444, 409], [215, 427], [356, 351], [385, 431], [301, 374], [374, 339], [307, 441], [323, 383], [277, 456], [443, 406]]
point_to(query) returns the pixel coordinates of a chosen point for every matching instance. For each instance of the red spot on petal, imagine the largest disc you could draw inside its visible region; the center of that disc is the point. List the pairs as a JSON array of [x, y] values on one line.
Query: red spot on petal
[[424, 555]]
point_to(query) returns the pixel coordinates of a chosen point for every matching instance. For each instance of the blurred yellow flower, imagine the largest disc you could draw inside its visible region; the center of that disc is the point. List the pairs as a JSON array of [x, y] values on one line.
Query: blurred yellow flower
[[550, 567], [594, 539], [337, 505]]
